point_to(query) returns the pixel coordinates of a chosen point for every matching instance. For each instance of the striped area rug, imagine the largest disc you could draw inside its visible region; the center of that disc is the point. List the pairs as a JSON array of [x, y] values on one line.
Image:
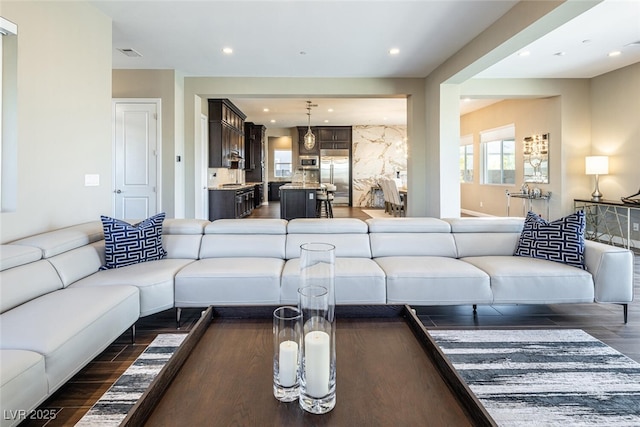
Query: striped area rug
[[546, 377], [114, 405]]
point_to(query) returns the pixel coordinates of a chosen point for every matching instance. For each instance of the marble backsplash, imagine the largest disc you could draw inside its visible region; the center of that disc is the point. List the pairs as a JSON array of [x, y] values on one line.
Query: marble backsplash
[[378, 151]]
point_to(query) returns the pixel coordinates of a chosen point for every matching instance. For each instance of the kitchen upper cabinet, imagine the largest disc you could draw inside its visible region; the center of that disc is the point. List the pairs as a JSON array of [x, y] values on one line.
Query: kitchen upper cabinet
[[226, 134], [334, 137], [302, 150], [254, 136]]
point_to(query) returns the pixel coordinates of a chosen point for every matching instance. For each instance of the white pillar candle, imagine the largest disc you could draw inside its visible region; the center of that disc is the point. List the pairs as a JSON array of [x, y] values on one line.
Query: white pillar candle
[[316, 363], [288, 363]]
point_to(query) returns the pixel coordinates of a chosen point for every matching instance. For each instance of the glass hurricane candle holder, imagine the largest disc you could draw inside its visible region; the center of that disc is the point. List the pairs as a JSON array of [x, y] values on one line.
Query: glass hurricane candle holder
[[317, 356], [287, 336], [317, 268]]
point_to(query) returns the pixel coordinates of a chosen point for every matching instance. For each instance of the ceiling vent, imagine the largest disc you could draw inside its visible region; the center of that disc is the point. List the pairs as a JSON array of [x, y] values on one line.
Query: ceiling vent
[[130, 52]]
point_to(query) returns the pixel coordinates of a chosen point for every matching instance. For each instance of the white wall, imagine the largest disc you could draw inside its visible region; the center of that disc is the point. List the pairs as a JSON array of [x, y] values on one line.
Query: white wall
[[615, 129], [64, 115]]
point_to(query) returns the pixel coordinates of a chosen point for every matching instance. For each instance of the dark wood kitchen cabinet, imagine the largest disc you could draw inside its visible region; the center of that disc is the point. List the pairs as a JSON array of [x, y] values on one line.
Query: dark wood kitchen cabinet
[[231, 203], [274, 190], [334, 137], [254, 136], [226, 134]]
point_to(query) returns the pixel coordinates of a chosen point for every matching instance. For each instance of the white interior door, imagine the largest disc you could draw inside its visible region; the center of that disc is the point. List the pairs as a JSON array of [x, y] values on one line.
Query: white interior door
[[135, 158]]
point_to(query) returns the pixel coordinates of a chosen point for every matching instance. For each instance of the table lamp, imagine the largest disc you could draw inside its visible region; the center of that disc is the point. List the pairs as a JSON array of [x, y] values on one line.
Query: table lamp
[[596, 165]]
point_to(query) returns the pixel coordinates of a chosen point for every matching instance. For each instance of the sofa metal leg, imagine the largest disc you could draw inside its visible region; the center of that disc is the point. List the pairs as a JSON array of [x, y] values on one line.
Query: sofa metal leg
[[133, 333], [625, 312], [178, 314], [475, 309]]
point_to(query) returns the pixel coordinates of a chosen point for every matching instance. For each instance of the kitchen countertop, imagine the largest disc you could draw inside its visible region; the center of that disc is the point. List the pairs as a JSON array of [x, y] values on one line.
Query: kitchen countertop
[[301, 186], [231, 186]]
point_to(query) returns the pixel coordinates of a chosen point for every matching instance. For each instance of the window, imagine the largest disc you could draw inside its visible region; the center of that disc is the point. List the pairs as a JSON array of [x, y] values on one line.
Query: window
[[498, 155], [282, 163], [466, 158], [8, 115]]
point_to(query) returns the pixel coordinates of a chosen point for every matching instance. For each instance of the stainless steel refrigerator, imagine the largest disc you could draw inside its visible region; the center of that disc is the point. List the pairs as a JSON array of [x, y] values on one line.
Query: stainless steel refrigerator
[[335, 168]]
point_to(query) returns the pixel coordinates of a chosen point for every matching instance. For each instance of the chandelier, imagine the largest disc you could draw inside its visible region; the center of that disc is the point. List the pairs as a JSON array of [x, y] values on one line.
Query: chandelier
[[309, 137]]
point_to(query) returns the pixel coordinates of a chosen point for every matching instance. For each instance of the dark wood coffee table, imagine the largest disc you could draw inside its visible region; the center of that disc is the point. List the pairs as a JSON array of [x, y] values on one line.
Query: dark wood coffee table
[[389, 372]]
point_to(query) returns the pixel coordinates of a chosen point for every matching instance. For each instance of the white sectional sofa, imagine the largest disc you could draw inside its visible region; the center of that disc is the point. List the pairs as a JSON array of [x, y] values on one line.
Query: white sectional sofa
[[59, 310]]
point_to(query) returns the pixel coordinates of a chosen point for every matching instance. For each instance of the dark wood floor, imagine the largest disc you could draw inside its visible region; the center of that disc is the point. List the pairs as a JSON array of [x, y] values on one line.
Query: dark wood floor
[[603, 321]]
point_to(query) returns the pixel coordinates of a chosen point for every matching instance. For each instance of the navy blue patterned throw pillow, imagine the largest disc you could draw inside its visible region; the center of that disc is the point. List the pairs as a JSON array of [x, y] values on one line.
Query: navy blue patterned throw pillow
[[561, 240], [126, 244]]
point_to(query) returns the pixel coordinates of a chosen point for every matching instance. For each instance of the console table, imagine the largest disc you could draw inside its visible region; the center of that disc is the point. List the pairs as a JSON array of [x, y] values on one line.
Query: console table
[[527, 201], [608, 221]]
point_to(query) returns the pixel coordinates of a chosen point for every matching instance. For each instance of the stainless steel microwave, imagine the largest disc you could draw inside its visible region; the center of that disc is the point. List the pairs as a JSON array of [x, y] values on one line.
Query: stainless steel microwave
[[309, 162]]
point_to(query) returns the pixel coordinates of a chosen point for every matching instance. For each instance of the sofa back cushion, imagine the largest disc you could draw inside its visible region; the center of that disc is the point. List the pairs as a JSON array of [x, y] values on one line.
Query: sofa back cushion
[[348, 235], [182, 237], [234, 238], [411, 237], [485, 236], [78, 263], [65, 239], [15, 255], [26, 282]]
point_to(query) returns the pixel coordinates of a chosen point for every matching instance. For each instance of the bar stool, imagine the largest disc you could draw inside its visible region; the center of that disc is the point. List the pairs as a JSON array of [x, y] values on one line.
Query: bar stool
[[324, 200]]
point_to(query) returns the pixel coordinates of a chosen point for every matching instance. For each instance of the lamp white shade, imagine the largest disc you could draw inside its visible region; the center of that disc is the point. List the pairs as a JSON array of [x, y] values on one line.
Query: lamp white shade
[[596, 165]]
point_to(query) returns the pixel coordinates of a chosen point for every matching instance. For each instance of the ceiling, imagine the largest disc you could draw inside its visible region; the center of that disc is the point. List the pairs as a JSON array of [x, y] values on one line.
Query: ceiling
[[313, 38]]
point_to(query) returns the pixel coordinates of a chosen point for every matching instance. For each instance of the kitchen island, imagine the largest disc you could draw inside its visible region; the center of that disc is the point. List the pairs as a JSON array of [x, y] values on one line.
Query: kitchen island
[[298, 200]]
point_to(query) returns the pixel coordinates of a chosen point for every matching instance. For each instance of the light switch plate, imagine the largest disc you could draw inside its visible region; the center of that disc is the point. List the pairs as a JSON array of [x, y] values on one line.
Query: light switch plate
[[91, 180]]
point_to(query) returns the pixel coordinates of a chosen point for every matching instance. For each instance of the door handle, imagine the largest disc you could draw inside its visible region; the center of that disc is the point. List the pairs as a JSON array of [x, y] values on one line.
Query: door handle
[[118, 191]]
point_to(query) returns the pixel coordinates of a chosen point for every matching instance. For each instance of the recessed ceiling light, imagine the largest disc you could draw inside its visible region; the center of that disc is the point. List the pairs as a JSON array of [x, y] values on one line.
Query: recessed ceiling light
[[272, 120], [227, 50], [524, 53], [330, 110], [615, 53], [266, 110], [326, 121], [394, 51], [467, 100]]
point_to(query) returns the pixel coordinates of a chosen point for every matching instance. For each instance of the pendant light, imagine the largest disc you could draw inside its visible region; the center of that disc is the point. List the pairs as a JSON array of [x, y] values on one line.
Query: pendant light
[[309, 137]]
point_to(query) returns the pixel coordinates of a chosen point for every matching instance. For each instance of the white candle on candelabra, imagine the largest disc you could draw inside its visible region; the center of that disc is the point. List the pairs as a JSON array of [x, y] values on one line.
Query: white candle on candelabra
[[316, 363], [288, 363]]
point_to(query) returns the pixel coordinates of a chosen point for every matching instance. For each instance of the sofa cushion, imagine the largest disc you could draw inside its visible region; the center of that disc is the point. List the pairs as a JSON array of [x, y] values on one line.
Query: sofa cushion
[[527, 280], [154, 279], [60, 327], [348, 235], [15, 255], [357, 281], [229, 281], [79, 263], [433, 280], [23, 382], [561, 240], [62, 240], [127, 244], [26, 282]]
